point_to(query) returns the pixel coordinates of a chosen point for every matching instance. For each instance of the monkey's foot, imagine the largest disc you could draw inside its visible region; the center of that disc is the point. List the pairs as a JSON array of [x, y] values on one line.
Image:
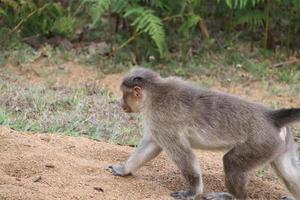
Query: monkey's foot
[[119, 170], [215, 196], [186, 195]]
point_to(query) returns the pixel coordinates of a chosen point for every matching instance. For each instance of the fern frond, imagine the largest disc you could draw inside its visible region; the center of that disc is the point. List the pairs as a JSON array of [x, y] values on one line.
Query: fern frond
[[97, 8], [147, 22], [64, 26], [254, 18], [119, 6], [242, 3], [191, 21], [155, 3], [2, 12]]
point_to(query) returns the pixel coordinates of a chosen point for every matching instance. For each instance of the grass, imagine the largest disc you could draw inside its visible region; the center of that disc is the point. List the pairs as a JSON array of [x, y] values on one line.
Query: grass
[[81, 110]]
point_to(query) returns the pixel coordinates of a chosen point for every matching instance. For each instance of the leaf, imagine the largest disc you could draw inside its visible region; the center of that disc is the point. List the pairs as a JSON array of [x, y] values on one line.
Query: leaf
[[13, 4], [242, 3], [119, 6], [296, 4], [2, 12], [156, 3], [229, 3], [254, 18], [147, 22], [189, 23], [64, 26], [97, 8]]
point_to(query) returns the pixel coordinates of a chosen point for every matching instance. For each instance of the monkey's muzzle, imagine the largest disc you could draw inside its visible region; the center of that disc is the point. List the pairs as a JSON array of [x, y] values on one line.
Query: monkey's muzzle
[[125, 107]]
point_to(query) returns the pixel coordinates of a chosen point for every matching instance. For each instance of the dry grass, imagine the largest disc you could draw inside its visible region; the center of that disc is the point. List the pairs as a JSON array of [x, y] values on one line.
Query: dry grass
[[80, 110]]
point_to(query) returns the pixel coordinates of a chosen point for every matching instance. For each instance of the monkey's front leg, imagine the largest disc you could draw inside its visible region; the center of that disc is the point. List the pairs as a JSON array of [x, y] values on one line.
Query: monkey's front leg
[[181, 153], [147, 150], [191, 172]]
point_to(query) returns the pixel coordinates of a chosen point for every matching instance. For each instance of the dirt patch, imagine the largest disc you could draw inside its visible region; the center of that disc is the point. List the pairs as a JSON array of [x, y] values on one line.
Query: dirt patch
[[256, 91], [69, 73], [112, 82], [39, 166], [42, 71]]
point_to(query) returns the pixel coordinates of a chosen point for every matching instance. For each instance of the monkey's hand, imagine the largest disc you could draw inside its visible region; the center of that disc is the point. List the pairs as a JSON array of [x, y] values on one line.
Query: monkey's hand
[[119, 170], [287, 198]]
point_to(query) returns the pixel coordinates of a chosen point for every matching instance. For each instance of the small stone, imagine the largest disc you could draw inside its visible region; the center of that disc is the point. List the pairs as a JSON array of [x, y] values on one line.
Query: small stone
[[49, 166], [99, 189], [45, 138], [37, 179]]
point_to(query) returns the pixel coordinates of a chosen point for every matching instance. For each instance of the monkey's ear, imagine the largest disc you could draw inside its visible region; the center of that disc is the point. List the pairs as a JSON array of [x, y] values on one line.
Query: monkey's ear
[[137, 79], [137, 91]]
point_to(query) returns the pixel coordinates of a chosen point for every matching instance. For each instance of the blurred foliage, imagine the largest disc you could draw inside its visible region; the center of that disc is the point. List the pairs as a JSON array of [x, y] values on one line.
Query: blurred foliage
[[148, 28], [29, 18]]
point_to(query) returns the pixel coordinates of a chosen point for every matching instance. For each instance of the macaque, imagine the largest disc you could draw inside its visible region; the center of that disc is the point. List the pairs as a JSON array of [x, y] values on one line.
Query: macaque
[[179, 117]]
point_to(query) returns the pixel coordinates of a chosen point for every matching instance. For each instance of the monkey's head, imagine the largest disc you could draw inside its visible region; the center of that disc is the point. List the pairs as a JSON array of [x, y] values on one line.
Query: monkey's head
[[135, 87]]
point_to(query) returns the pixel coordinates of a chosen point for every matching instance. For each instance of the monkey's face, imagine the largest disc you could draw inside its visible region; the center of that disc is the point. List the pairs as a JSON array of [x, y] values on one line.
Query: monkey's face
[[132, 99]]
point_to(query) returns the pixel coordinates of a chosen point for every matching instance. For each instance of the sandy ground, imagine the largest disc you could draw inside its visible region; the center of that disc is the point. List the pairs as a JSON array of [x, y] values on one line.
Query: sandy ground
[[43, 166]]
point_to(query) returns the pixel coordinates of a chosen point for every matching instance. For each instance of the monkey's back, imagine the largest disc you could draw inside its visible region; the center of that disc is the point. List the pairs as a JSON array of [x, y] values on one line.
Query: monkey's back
[[223, 118]]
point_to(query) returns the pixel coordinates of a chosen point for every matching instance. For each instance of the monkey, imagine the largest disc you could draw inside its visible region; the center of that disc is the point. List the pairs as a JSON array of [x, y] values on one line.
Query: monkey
[[179, 116]]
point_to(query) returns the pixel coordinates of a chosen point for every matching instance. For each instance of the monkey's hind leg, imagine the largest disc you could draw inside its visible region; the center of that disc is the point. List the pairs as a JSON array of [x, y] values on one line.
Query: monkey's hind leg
[[238, 162], [287, 168]]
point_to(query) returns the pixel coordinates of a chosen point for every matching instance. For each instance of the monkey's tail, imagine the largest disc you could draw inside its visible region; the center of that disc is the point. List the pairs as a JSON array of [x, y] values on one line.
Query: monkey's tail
[[283, 117]]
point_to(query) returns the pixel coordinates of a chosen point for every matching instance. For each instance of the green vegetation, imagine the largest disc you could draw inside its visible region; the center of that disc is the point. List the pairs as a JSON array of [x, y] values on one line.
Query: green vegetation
[[148, 28], [185, 38], [236, 42]]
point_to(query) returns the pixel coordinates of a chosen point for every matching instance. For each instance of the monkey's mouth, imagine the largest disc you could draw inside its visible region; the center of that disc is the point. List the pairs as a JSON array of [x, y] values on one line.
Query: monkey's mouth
[[128, 111]]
